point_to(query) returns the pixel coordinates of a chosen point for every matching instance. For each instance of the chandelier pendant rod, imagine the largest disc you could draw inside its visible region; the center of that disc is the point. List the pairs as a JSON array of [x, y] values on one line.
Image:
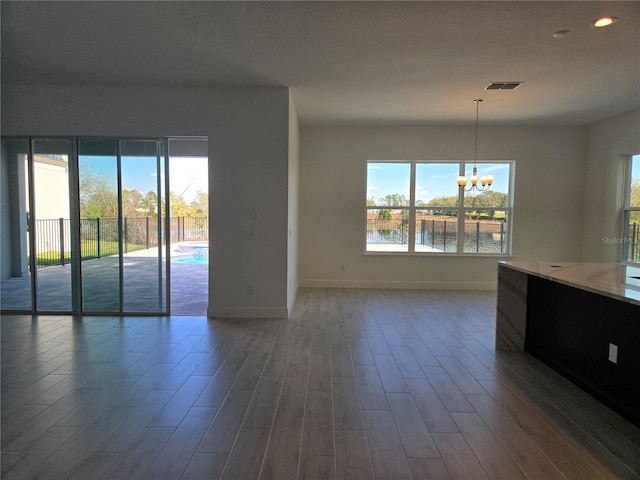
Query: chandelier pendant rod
[[475, 144]]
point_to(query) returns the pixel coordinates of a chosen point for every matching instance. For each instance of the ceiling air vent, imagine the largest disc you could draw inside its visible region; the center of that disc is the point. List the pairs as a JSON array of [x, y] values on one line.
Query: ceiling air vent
[[502, 85]]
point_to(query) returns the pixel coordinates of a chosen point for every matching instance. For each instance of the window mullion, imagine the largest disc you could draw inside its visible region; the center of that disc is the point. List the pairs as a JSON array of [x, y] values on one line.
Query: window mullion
[[412, 209], [461, 213], [631, 212]]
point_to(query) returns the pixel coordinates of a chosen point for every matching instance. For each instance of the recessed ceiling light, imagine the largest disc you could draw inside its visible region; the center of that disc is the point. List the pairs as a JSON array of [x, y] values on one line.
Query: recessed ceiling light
[[561, 33], [604, 21]]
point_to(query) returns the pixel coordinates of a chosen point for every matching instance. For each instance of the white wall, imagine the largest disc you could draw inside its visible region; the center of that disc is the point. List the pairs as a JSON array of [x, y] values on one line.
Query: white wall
[[548, 201], [293, 181], [274, 234], [247, 130], [610, 143], [51, 185]]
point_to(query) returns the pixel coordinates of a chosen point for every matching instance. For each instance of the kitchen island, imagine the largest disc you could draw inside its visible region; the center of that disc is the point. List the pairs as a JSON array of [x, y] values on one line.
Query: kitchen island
[[582, 319]]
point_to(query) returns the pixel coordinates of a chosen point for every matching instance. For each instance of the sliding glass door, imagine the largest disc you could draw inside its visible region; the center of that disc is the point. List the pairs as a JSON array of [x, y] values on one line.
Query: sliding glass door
[[121, 201], [144, 268], [53, 238], [37, 238], [83, 227]]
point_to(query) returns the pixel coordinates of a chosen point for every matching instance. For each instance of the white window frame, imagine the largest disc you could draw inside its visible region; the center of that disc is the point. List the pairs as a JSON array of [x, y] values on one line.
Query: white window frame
[[630, 235], [460, 209]]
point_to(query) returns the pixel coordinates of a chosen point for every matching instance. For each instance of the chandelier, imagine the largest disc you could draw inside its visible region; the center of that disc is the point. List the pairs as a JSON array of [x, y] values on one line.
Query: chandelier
[[485, 180]]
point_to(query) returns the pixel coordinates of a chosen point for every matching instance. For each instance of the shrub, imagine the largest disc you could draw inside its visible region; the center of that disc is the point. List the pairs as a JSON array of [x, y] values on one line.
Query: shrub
[[499, 215]]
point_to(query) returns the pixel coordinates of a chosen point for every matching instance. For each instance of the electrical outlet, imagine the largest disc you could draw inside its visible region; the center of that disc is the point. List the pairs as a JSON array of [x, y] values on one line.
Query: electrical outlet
[[249, 234], [613, 353]]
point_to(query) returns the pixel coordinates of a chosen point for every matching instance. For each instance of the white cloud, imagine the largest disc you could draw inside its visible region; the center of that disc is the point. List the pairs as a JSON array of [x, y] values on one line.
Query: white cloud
[[493, 168]]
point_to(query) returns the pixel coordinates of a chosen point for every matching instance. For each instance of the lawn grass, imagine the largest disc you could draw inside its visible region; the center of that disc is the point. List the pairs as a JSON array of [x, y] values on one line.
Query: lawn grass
[[89, 250]]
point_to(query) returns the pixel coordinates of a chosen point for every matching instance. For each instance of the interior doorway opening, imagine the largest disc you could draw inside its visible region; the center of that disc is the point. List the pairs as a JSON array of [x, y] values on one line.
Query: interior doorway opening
[[189, 226]]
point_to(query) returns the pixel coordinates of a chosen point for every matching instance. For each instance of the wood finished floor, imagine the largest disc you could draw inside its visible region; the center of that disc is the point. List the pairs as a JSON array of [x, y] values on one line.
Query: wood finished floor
[[357, 384]]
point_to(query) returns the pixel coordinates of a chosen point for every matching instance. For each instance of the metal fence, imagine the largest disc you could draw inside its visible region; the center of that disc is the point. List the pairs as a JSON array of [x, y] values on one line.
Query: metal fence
[[53, 242], [632, 242], [387, 231], [440, 235], [99, 236]]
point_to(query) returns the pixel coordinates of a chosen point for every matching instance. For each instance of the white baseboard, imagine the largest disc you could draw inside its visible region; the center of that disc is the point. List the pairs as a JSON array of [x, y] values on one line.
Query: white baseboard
[[247, 312], [398, 285]]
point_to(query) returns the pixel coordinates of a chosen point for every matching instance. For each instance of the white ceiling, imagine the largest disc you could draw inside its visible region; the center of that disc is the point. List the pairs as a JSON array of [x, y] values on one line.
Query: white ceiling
[[354, 62]]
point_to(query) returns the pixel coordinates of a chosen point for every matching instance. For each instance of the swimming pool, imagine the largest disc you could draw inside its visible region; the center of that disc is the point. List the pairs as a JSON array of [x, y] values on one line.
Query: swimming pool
[[199, 253], [197, 248], [191, 259]]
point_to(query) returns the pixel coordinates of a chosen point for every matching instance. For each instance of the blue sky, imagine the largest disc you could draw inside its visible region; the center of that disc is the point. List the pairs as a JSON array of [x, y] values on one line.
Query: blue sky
[[432, 179]]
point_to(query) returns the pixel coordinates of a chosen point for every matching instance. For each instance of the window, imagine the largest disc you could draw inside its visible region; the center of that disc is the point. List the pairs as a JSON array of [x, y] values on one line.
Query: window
[[631, 234], [417, 207]]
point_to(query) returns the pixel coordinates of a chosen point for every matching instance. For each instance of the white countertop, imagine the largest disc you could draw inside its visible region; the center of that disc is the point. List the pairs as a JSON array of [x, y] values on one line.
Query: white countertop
[[613, 280]]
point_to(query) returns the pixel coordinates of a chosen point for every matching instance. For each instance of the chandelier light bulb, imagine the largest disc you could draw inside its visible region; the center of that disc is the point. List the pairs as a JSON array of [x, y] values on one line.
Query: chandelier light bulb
[[604, 22]]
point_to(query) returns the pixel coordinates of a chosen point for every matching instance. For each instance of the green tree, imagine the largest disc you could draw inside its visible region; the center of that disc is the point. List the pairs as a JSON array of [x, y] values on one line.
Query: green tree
[[394, 200], [200, 205], [149, 203], [132, 203], [443, 202], [179, 207], [384, 214], [98, 198], [634, 200], [635, 193], [486, 199]]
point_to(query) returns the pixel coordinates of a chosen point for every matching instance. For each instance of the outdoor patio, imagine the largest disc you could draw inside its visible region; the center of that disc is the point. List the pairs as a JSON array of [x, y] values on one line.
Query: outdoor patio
[[189, 286]]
